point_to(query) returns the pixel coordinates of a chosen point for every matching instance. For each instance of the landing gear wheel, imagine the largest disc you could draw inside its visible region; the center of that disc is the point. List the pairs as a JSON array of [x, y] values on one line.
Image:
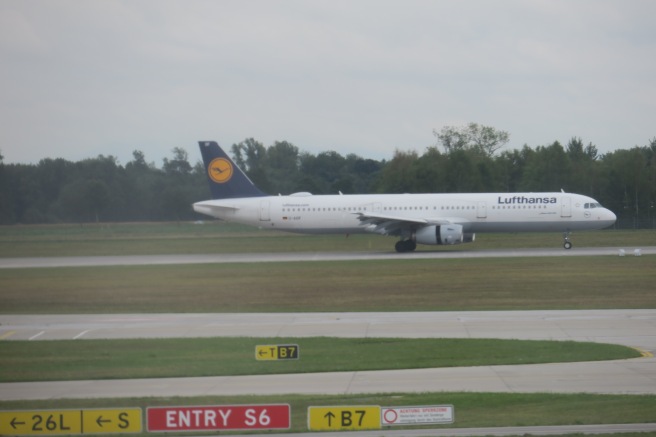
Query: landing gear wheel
[[405, 246], [568, 244]]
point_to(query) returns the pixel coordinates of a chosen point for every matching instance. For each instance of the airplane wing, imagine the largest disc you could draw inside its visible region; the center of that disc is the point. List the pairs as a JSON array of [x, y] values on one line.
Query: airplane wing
[[394, 225]]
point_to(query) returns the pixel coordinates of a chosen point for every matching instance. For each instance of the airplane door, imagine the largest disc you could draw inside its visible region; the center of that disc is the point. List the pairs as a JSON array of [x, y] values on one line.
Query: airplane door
[[264, 211], [481, 210], [566, 207]]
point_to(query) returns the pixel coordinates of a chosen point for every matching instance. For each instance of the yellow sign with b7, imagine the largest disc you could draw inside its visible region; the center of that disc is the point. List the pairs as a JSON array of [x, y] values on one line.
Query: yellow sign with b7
[[270, 352]]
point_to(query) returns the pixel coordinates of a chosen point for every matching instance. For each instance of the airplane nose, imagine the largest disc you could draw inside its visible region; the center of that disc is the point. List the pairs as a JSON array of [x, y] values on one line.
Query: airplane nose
[[609, 217]]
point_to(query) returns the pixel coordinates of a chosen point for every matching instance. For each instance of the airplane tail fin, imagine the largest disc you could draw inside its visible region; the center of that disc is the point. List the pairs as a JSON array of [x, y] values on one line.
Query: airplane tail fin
[[225, 178]]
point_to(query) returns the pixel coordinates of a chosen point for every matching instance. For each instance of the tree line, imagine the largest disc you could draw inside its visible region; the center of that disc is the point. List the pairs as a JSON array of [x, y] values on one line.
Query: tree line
[[463, 159]]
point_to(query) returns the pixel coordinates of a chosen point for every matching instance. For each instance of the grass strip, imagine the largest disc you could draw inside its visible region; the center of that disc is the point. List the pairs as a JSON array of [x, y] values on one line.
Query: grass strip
[[222, 237], [163, 358], [472, 410], [379, 285]]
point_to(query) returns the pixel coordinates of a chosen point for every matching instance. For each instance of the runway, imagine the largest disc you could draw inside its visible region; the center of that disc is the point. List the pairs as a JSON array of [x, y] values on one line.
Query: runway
[[132, 260], [634, 328]]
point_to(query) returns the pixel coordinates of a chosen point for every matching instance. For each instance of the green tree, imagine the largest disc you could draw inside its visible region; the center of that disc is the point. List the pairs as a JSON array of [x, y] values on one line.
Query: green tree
[[6, 211], [142, 186], [83, 200], [461, 174], [548, 169], [485, 140], [176, 193], [399, 175], [584, 167], [324, 172], [138, 162], [650, 153], [179, 164], [361, 172], [627, 189], [282, 161], [430, 171], [511, 166], [250, 156]]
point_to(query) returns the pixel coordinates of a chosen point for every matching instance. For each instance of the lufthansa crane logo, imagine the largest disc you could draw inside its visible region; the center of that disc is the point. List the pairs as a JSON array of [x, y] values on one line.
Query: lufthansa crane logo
[[220, 170]]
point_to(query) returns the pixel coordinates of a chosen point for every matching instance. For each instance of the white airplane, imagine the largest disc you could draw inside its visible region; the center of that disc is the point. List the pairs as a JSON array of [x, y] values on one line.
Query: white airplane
[[413, 218]]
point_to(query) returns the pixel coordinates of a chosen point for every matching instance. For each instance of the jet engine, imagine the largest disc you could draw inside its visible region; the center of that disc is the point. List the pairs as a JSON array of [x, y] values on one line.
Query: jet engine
[[442, 234]]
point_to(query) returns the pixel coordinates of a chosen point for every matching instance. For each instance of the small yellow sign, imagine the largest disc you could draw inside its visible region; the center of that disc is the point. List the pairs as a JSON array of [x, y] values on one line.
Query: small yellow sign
[[70, 422], [270, 352], [40, 422], [266, 352], [125, 420], [342, 418]]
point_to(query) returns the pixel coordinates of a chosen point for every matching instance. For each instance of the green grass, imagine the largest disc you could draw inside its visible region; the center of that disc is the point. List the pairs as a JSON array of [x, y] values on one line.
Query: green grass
[[165, 358], [221, 237], [472, 410], [381, 285]]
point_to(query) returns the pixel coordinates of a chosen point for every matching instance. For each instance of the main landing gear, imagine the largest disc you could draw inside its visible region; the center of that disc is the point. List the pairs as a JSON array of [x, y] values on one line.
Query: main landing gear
[[405, 246], [568, 244]]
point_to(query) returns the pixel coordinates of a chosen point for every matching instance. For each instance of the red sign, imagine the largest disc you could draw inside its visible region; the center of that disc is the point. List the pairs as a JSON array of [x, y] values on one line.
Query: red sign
[[218, 417]]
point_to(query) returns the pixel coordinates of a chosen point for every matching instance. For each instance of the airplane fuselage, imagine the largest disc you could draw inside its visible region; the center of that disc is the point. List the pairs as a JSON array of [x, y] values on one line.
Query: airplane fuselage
[[485, 212]]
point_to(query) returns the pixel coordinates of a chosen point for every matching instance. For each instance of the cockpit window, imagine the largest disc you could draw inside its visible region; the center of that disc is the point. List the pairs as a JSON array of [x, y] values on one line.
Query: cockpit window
[[592, 205]]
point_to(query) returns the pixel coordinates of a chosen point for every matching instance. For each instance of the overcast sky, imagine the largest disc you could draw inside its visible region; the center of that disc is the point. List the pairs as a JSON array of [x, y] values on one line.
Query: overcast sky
[[81, 78]]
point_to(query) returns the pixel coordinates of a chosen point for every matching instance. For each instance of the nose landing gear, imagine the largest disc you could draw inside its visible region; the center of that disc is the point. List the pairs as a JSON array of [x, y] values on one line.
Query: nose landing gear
[[567, 244]]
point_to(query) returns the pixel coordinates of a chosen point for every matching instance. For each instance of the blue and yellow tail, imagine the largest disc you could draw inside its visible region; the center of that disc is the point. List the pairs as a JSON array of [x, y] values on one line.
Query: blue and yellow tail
[[226, 180]]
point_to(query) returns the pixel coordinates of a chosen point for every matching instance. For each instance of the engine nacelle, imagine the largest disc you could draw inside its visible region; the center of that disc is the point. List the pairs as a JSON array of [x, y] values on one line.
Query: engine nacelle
[[442, 234]]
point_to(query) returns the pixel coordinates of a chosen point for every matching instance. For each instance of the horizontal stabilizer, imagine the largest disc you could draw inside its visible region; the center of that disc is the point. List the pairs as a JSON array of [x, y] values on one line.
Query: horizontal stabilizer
[[214, 209]]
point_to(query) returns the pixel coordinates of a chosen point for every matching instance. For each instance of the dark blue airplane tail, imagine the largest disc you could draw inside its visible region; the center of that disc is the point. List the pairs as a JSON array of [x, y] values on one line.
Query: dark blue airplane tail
[[225, 178]]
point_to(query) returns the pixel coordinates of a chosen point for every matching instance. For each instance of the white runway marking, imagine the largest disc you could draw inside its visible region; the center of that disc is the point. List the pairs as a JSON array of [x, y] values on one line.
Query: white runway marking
[[34, 337], [81, 334]]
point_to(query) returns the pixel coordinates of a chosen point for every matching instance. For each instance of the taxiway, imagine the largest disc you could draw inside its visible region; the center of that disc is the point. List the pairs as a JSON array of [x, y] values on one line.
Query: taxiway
[[634, 328]]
